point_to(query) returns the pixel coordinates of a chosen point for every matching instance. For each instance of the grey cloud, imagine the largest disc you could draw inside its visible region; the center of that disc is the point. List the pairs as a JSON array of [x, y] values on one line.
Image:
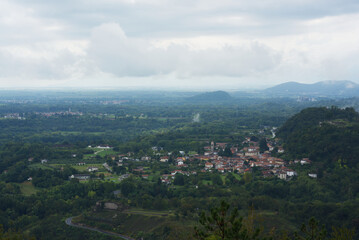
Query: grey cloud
[[149, 18]]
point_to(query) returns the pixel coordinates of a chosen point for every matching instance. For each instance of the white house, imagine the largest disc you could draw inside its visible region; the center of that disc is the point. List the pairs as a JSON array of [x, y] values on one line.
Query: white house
[[312, 175], [305, 161], [291, 173], [282, 175], [92, 169], [208, 165], [80, 176], [164, 159], [103, 147]]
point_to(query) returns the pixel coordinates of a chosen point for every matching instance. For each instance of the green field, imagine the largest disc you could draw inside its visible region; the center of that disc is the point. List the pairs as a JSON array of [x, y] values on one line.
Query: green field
[[89, 156], [237, 176], [100, 152], [42, 166], [82, 168], [112, 179], [207, 182], [148, 212], [106, 152], [27, 188]]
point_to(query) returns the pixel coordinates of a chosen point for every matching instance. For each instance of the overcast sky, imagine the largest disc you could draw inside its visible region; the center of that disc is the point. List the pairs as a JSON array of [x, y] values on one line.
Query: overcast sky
[[177, 44]]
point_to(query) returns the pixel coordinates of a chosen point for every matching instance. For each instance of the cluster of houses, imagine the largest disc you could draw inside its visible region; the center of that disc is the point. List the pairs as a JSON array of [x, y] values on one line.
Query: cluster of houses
[[241, 160], [59, 113], [245, 159], [14, 116], [103, 147], [114, 102], [167, 178]]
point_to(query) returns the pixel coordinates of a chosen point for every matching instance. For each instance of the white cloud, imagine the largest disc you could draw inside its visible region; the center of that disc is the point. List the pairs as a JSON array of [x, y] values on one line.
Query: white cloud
[[123, 56], [45, 61]]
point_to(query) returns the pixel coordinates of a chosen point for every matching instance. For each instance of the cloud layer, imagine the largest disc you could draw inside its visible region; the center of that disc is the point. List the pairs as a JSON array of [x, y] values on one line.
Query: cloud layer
[[229, 44]]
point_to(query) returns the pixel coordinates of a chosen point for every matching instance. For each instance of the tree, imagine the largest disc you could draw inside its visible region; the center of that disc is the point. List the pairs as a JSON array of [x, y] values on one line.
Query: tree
[[179, 180], [311, 232], [342, 233], [254, 139], [12, 235], [226, 152], [263, 145], [247, 177], [223, 224], [230, 179], [91, 194], [216, 179], [127, 187]]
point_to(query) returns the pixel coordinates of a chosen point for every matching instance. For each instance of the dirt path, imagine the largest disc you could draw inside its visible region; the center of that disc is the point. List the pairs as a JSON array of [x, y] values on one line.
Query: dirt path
[[99, 151], [68, 221]]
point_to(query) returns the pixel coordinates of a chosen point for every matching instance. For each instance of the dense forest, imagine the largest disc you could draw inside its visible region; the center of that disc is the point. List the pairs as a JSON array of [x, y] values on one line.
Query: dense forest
[[46, 141], [324, 134]]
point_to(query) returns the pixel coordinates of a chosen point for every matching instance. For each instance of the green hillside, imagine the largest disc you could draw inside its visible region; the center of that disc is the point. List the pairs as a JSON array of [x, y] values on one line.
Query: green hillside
[[329, 135]]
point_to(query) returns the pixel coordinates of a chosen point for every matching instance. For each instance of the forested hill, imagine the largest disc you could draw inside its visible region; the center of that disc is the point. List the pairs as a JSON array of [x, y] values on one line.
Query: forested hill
[[329, 135], [210, 97]]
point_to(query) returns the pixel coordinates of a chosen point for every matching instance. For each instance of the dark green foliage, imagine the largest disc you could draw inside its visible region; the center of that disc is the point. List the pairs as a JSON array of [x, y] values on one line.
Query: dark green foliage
[[13, 235], [254, 139], [226, 152], [342, 233], [312, 231], [328, 135], [216, 179], [223, 224], [263, 145], [179, 180]]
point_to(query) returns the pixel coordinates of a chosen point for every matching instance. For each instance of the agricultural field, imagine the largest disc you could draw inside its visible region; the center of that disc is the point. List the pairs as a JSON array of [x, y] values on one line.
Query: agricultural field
[[27, 189]]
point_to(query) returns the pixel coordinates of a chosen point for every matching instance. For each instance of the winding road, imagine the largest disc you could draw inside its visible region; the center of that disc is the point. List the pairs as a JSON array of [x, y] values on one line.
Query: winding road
[[68, 221]]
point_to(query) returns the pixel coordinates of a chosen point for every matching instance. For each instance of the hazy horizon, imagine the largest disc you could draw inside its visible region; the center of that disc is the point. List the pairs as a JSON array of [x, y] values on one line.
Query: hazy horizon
[[155, 89]]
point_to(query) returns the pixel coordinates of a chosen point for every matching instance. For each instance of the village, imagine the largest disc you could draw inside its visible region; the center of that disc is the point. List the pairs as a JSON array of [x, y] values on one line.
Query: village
[[217, 157], [241, 161]]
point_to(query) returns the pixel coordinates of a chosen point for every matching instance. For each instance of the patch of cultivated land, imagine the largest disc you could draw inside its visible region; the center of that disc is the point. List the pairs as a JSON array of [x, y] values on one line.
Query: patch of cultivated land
[[132, 222], [42, 166], [81, 168], [27, 188], [148, 212]]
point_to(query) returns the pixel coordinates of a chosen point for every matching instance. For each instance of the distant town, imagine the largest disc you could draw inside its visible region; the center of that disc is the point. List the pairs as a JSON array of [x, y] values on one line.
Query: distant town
[[238, 161]]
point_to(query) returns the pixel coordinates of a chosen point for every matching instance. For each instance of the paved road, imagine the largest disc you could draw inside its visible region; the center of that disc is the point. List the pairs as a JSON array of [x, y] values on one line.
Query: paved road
[[68, 221]]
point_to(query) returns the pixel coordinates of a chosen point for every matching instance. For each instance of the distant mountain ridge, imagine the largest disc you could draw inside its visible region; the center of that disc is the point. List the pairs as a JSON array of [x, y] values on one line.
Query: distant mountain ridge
[[324, 88]]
